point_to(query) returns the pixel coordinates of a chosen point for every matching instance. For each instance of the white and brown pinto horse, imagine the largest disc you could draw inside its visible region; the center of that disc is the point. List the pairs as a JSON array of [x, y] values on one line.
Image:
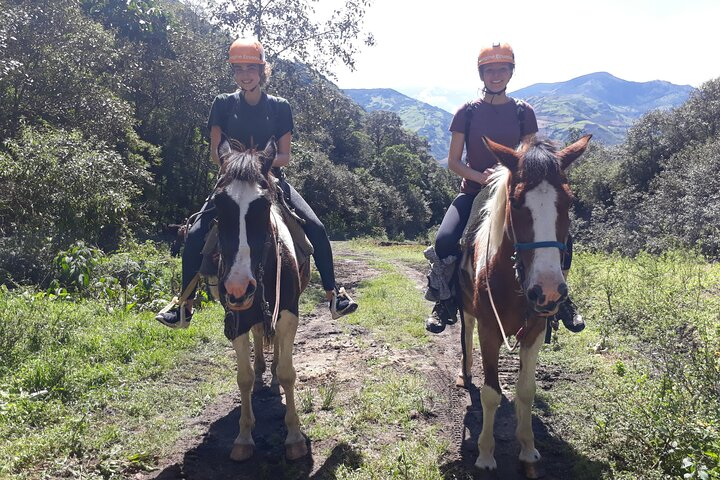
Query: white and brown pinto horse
[[511, 278], [259, 284]]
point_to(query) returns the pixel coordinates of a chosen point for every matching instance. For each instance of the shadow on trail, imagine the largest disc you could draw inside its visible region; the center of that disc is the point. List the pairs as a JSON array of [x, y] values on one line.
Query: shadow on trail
[[210, 460], [560, 461]]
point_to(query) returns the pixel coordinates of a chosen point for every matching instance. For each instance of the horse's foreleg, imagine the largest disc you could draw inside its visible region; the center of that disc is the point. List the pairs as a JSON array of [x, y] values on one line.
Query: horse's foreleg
[[490, 397], [259, 360], [295, 446], [525, 394], [274, 365], [244, 446], [468, 330]]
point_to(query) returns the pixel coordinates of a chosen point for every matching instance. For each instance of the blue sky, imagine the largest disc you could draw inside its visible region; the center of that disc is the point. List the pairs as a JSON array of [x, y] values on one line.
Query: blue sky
[[431, 46]]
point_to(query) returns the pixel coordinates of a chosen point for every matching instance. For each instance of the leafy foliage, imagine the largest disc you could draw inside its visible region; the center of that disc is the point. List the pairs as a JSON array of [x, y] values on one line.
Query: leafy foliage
[[657, 190], [57, 187], [291, 29], [658, 411]]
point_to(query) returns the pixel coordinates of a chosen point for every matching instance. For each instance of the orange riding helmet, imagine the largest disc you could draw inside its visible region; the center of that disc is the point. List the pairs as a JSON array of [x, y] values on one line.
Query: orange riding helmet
[[247, 50], [498, 53]]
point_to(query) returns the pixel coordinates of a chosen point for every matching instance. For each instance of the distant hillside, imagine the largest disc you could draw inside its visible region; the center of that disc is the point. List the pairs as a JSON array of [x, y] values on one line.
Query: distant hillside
[[599, 103], [424, 119]]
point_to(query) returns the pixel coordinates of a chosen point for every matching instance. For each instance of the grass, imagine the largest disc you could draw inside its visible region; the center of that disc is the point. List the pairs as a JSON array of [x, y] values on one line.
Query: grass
[[104, 391]]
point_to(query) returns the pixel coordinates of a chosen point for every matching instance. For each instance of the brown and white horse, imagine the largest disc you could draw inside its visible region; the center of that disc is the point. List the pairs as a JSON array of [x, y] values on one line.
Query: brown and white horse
[[511, 278], [259, 284]]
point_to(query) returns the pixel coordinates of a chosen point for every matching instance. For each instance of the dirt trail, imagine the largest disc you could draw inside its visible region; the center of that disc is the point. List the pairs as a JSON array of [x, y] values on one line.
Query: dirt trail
[[324, 353]]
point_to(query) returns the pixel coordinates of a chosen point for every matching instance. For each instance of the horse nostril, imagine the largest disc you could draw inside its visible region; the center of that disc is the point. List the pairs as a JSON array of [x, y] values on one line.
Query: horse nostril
[[232, 298], [535, 294], [250, 290], [563, 291]]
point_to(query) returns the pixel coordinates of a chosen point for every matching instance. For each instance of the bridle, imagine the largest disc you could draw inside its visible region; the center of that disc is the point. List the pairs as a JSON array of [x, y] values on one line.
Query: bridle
[[271, 242], [519, 273]]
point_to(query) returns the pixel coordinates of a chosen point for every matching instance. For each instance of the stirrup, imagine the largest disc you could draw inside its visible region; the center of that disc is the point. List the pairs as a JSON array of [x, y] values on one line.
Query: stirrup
[[184, 319], [350, 308]]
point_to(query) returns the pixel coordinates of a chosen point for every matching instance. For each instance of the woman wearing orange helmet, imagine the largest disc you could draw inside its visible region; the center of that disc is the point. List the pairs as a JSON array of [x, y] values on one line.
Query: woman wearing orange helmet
[[505, 120], [252, 117]]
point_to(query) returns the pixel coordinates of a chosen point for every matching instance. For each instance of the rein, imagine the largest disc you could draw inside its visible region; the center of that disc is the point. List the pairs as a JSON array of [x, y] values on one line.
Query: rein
[[492, 302]]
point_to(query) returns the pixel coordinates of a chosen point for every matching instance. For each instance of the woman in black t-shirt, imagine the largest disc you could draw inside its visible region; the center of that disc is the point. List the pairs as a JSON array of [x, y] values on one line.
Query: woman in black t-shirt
[[253, 117]]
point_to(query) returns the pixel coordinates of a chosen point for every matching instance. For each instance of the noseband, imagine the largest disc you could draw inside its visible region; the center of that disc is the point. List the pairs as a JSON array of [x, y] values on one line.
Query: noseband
[[517, 260]]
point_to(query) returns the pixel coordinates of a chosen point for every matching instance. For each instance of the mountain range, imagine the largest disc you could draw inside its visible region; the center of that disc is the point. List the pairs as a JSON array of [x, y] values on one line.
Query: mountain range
[[597, 103]]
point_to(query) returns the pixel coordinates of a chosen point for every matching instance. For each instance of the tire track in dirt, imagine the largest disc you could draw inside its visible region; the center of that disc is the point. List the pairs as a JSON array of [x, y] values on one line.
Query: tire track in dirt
[[329, 353]]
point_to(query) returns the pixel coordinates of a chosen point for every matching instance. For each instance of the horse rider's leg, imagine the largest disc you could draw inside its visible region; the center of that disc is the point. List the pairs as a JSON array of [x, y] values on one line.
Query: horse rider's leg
[[259, 359], [524, 396], [244, 446], [490, 397], [295, 446], [465, 375]]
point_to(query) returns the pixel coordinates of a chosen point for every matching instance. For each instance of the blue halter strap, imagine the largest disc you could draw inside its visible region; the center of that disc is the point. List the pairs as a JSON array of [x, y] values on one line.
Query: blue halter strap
[[534, 245]]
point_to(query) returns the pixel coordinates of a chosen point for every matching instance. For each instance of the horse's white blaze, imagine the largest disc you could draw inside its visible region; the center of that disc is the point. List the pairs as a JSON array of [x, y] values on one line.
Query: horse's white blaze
[[545, 270], [243, 195]]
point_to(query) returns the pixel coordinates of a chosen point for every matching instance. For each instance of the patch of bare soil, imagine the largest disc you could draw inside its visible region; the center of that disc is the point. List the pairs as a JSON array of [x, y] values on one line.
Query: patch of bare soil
[[326, 352]]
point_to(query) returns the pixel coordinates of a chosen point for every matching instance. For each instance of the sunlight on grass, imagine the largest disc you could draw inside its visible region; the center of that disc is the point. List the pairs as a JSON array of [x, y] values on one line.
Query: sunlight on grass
[[393, 307]]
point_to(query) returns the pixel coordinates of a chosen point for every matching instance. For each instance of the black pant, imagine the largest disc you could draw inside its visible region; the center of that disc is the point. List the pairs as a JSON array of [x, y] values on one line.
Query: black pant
[[313, 227], [447, 241]]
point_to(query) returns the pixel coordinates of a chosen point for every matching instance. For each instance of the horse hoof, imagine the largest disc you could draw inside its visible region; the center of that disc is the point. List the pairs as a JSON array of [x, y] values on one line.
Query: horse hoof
[[240, 453], [463, 382], [533, 470], [293, 451]]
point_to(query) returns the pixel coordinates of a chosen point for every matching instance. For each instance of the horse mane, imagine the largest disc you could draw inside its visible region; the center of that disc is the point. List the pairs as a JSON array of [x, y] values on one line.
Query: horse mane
[[493, 214], [246, 167], [539, 161]]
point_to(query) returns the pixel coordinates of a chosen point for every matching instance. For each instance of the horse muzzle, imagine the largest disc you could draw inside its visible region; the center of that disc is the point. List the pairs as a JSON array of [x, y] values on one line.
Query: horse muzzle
[[243, 302], [540, 302]]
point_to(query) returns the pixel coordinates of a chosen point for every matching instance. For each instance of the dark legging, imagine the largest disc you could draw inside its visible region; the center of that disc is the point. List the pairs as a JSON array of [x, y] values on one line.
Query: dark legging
[[454, 222], [313, 227], [447, 241]]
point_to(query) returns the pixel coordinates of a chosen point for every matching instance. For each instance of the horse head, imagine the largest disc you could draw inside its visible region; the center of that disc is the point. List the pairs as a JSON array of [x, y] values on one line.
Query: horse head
[[537, 216], [243, 200]]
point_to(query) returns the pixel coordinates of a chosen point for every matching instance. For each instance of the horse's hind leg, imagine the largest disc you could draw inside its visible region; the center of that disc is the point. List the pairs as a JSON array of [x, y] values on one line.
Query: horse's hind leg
[[525, 394], [490, 397], [295, 446], [259, 360], [244, 446], [468, 330]]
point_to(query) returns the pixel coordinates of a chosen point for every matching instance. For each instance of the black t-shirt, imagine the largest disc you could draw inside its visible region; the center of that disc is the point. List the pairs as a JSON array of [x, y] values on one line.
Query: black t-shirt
[[251, 125]]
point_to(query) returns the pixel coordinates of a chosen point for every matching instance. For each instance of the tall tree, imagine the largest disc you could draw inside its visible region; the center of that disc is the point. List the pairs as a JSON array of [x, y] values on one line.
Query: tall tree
[[290, 29]]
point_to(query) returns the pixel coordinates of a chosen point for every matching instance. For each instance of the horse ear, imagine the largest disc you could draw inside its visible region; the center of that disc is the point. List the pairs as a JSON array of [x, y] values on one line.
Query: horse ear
[[506, 156], [570, 153], [223, 148], [268, 155]]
